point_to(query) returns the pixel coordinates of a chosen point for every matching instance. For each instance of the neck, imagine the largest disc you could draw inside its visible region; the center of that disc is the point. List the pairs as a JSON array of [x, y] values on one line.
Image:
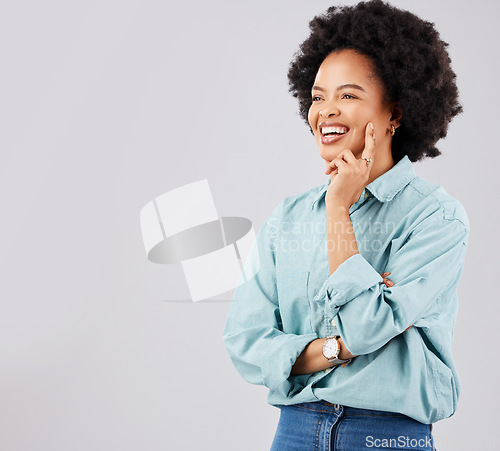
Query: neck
[[382, 163]]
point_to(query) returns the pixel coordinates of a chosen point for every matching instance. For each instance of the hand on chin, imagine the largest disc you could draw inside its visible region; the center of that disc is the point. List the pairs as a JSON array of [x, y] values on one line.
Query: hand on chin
[[329, 170]]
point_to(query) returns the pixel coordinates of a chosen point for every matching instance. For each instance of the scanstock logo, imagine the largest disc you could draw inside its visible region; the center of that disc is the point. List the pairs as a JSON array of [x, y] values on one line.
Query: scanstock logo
[[182, 226]]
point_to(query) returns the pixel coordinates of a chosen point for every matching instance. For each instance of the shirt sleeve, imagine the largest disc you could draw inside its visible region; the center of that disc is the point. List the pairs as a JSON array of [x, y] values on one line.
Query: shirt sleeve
[[259, 349], [424, 269]]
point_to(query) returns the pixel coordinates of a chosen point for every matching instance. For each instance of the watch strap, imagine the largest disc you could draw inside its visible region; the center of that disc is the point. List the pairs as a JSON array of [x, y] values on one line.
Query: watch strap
[[336, 361]]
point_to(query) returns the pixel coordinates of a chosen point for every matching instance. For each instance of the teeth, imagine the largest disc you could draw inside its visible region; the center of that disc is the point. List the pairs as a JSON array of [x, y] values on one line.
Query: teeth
[[341, 130]]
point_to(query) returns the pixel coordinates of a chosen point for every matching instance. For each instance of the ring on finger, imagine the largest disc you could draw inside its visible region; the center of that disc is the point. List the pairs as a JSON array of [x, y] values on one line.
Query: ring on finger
[[368, 160]]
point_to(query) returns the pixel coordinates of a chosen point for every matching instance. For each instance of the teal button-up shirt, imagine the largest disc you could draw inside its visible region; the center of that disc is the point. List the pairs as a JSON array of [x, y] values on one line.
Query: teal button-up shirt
[[404, 225]]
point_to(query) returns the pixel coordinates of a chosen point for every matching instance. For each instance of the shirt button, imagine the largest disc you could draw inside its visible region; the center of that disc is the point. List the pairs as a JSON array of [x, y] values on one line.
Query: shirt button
[[333, 323]]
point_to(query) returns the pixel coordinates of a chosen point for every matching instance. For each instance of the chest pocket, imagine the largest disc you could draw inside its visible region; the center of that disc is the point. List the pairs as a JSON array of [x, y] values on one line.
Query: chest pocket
[[317, 278], [293, 298]]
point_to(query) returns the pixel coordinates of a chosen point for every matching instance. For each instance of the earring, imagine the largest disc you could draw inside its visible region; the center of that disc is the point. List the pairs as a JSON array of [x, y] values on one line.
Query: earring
[[393, 129]]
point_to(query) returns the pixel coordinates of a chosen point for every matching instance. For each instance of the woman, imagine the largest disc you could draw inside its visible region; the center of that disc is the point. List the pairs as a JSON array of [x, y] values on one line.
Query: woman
[[355, 360]]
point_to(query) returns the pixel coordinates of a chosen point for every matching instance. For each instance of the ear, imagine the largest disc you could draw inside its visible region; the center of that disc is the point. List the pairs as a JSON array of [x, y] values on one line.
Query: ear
[[397, 114]]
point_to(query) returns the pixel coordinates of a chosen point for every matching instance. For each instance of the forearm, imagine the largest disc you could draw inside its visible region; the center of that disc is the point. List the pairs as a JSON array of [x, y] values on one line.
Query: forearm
[[312, 359], [341, 244], [341, 240]]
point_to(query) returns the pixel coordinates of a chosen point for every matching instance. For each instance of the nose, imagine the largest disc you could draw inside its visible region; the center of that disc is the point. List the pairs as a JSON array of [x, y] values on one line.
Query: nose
[[329, 109]]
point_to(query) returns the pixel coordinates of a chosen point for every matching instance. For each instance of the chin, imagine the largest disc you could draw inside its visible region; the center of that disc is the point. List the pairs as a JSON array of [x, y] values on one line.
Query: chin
[[328, 153]]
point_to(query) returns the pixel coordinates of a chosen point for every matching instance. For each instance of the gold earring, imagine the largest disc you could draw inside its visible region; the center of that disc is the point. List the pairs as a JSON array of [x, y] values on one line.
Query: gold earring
[[393, 129]]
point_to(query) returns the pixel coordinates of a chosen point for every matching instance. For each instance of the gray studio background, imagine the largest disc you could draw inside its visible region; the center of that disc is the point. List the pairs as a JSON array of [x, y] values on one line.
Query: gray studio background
[[108, 104]]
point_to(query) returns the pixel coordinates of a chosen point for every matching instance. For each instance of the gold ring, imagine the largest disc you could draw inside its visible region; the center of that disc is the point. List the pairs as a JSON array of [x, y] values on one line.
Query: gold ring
[[368, 160]]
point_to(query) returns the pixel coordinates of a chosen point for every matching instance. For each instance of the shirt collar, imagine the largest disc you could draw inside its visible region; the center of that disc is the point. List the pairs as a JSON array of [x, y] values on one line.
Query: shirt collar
[[384, 187]]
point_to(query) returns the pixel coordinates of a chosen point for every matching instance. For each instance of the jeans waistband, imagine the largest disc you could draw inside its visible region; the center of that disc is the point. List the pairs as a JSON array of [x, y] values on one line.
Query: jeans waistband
[[328, 407]]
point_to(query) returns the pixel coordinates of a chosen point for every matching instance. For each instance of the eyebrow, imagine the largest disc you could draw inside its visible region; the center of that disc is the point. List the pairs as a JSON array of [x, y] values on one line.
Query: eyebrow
[[348, 85]]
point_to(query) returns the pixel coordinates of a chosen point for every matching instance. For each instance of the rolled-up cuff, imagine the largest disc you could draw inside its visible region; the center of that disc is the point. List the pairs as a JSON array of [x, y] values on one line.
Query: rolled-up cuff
[[354, 276], [280, 357]]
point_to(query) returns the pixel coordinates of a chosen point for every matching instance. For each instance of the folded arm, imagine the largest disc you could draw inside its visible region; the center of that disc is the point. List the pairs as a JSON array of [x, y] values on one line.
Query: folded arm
[[259, 349], [425, 269]]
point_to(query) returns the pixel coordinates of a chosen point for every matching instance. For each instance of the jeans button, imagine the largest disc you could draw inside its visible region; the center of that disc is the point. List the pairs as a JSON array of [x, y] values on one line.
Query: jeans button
[[336, 406]]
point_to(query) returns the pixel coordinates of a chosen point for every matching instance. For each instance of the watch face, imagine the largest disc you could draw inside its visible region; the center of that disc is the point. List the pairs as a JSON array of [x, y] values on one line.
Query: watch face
[[330, 348]]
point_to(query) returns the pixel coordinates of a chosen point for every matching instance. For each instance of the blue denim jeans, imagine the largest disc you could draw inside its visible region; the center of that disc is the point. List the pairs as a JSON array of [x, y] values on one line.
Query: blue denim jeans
[[322, 426]]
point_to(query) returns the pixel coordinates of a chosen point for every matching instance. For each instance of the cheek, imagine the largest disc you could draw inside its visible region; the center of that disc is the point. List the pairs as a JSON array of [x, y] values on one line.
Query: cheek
[[378, 113], [313, 116], [364, 113], [310, 117]]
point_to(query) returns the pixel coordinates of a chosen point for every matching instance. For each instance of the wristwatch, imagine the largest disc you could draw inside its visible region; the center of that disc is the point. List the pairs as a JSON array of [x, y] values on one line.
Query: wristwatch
[[331, 349]]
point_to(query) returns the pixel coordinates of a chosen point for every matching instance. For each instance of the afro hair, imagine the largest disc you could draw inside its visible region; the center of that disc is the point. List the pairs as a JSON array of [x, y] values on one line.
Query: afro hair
[[408, 56]]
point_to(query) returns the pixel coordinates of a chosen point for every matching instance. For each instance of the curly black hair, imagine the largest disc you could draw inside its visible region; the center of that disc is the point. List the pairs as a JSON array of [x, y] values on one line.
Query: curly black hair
[[409, 58]]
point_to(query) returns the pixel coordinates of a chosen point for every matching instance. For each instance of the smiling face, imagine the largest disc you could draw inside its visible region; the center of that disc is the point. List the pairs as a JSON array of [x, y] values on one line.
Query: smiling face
[[346, 96]]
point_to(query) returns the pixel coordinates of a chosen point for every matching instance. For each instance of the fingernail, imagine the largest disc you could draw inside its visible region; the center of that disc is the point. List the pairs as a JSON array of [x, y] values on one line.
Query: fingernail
[[371, 125]]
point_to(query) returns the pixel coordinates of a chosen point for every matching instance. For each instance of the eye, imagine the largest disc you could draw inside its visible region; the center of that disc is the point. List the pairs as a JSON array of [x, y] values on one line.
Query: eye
[[316, 98], [348, 96]]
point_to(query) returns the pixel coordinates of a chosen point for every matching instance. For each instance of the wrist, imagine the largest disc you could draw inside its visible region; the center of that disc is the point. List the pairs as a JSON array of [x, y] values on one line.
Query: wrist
[[344, 353], [332, 350], [336, 206]]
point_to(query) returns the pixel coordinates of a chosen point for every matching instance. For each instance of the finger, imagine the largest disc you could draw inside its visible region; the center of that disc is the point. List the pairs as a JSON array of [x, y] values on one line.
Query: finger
[[330, 170], [369, 150], [388, 283], [339, 163], [408, 327], [345, 154], [333, 172], [384, 274], [329, 167], [348, 156]]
